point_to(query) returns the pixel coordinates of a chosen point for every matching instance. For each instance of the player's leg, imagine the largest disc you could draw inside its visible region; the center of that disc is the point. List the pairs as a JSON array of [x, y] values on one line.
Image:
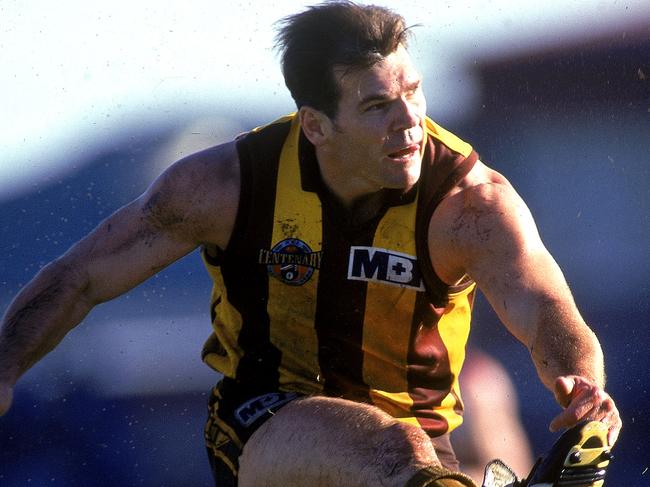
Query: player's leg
[[320, 441]]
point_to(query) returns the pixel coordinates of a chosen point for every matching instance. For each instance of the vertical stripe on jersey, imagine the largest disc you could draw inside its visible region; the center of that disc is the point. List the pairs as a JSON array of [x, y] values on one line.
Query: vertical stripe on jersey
[[388, 321], [439, 337], [340, 311], [429, 369], [221, 351], [297, 214], [454, 331]]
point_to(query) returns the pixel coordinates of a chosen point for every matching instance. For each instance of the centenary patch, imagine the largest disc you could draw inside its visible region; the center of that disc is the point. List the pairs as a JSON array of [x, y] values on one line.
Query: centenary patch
[[291, 261]]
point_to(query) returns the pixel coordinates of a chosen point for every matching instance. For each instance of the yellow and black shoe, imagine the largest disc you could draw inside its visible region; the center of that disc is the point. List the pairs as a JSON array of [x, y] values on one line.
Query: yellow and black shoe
[[579, 458]]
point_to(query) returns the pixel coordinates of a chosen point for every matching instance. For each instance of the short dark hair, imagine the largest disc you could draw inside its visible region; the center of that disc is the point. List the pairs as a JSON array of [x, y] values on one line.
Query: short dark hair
[[329, 35]]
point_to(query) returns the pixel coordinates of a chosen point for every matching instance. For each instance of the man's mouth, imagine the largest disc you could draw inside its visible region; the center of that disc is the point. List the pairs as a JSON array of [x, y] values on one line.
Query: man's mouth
[[405, 152]]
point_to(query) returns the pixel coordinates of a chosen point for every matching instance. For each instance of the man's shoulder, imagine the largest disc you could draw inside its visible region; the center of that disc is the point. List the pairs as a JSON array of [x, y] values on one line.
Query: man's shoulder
[[208, 160], [205, 170]]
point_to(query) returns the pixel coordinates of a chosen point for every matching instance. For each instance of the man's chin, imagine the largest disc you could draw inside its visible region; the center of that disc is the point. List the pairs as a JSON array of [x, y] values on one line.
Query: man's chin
[[402, 181], [408, 175]]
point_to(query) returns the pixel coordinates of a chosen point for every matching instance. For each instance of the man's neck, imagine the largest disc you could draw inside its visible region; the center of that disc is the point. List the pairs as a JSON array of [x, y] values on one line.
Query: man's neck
[[360, 207], [350, 192]]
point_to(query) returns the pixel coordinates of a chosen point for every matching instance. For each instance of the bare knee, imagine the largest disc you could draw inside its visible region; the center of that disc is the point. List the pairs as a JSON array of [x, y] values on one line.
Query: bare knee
[[401, 449]]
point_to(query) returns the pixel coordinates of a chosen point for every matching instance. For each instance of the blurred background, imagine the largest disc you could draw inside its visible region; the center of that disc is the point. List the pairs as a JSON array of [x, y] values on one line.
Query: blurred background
[[97, 99]]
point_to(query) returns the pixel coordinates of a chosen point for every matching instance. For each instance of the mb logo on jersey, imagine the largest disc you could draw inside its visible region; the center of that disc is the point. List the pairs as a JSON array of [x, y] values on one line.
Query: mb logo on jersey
[[385, 266], [291, 261]]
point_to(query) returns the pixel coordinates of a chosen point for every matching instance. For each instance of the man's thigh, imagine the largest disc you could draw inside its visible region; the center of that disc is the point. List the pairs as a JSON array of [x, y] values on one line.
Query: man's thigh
[[330, 441]]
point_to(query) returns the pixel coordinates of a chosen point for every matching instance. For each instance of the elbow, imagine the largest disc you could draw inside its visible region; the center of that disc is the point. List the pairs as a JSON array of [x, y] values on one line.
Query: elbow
[[69, 278]]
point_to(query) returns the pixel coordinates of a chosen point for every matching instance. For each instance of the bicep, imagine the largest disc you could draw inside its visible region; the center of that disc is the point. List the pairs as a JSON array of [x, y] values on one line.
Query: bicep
[[503, 252]]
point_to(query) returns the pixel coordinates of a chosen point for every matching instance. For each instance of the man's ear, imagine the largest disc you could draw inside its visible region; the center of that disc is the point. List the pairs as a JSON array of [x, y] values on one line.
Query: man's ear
[[315, 124]]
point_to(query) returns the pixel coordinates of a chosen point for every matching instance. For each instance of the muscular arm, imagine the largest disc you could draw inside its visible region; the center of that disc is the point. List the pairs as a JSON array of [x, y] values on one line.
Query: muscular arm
[[485, 230], [193, 202], [503, 253]]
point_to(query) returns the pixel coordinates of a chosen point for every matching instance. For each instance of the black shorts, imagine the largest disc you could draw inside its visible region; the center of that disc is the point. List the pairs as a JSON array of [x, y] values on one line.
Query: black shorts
[[233, 417]]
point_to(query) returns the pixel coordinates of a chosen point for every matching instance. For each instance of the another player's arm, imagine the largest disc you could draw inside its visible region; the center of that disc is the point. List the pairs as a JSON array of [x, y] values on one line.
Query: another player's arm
[[490, 234], [194, 201]]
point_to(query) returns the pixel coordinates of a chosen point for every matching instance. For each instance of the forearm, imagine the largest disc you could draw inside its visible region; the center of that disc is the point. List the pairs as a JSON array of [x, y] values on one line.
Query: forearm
[[39, 317], [564, 345]]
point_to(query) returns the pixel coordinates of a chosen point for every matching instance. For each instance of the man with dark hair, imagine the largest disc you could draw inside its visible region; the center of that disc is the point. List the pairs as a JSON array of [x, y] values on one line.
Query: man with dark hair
[[345, 243], [315, 42]]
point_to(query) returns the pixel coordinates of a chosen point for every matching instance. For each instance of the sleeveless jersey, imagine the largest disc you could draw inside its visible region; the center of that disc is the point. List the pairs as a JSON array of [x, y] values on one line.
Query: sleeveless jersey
[[309, 297]]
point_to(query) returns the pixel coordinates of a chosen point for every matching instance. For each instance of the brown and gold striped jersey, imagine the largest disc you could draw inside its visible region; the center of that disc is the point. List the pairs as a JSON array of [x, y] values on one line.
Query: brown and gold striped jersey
[[312, 297]]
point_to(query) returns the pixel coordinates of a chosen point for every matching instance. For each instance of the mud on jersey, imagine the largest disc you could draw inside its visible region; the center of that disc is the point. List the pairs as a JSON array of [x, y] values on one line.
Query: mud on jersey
[[310, 297]]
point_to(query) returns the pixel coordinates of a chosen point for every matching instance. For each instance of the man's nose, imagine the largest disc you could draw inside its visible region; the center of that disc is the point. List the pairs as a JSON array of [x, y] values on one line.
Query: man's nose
[[407, 115]]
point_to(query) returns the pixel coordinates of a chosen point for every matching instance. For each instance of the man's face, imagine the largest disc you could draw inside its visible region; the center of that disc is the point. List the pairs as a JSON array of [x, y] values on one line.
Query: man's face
[[377, 133]]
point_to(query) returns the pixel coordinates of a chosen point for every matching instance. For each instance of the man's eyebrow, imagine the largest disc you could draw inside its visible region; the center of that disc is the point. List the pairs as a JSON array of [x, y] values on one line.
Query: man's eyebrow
[[372, 97], [386, 96]]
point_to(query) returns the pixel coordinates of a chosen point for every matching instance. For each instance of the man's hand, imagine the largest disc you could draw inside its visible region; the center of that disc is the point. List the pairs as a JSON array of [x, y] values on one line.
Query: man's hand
[[583, 399], [6, 397]]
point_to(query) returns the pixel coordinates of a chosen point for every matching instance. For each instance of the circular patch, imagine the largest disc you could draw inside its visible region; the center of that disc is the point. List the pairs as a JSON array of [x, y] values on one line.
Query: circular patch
[[292, 257]]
